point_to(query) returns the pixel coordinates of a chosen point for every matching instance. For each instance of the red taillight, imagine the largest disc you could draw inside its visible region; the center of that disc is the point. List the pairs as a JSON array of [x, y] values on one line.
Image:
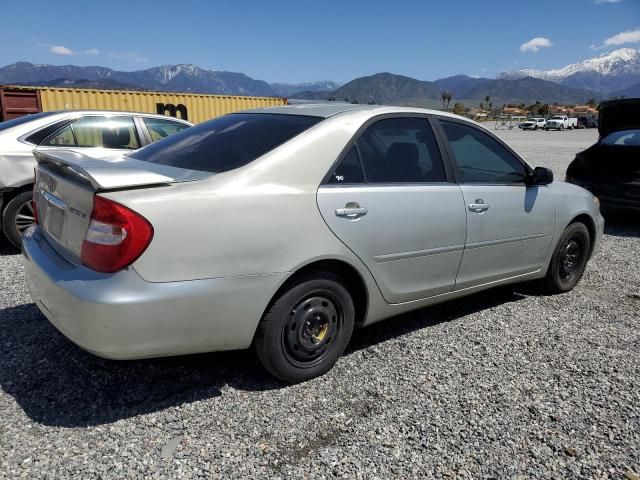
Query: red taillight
[[116, 236]]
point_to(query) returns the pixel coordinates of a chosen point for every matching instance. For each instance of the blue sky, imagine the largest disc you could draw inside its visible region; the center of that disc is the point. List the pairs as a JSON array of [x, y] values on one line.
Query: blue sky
[[295, 41]]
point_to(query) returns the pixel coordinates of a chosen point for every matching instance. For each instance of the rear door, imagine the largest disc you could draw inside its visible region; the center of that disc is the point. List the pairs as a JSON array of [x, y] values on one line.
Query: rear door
[[99, 136], [392, 200], [509, 224]]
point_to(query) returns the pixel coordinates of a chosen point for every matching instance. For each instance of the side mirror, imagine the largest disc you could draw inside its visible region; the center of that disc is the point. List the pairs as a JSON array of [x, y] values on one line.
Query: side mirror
[[540, 176]]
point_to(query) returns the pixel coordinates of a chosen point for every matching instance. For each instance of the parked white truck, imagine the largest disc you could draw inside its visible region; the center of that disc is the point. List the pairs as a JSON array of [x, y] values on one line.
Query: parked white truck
[[560, 122]]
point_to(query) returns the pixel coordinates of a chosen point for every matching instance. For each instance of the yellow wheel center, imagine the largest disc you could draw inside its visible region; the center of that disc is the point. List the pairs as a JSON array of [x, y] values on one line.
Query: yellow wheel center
[[322, 332]]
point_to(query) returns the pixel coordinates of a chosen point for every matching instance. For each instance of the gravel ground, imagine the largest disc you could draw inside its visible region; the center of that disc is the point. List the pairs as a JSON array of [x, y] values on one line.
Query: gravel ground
[[504, 384]]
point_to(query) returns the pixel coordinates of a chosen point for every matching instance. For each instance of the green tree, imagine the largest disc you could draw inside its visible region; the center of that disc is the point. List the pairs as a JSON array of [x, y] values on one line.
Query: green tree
[[481, 106], [443, 96], [592, 102], [487, 100], [458, 109]]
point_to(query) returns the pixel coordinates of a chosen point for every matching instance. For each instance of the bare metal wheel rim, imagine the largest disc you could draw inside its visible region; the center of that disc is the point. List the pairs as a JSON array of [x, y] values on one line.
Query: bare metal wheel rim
[[570, 259], [311, 329], [25, 217]]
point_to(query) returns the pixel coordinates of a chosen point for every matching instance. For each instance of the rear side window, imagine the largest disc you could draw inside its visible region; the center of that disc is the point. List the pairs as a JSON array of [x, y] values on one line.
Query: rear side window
[[401, 150], [38, 137], [226, 142], [349, 170], [160, 128]]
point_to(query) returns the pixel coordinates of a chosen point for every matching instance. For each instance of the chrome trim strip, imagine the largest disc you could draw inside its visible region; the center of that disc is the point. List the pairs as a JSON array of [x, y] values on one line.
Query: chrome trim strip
[[392, 257], [501, 241]]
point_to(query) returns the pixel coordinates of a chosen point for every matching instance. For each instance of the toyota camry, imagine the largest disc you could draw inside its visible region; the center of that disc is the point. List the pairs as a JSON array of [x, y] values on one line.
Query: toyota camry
[[285, 228]]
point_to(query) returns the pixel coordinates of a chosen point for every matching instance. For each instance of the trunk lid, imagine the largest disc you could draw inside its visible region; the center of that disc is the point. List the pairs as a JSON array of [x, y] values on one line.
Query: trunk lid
[[618, 115], [66, 182]]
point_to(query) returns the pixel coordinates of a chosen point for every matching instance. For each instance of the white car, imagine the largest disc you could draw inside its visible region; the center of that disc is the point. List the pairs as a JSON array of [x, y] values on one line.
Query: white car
[[97, 133], [533, 123], [560, 122]]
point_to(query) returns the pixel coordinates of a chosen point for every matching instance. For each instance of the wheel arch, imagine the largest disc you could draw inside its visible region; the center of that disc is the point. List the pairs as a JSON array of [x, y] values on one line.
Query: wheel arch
[[588, 222], [353, 279]]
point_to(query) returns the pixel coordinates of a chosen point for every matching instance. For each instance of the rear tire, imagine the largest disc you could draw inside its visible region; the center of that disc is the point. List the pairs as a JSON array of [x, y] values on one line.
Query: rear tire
[[17, 216], [306, 328], [569, 259]]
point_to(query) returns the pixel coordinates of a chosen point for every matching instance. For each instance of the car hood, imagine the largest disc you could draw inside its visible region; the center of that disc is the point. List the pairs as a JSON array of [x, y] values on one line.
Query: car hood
[[618, 115]]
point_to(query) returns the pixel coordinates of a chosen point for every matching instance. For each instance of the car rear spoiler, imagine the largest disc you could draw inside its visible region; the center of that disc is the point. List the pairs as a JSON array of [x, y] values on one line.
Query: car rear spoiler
[[117, 172]]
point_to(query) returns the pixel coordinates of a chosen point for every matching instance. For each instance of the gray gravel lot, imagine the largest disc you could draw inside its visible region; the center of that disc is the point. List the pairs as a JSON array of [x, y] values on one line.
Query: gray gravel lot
[[504, 384]]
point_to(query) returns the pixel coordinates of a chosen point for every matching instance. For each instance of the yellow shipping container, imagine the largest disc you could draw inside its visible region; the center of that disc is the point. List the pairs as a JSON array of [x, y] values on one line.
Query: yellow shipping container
[[194, 107]]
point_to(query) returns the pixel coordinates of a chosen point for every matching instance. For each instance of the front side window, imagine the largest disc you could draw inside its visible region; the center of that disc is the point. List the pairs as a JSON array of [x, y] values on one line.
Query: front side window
[[481, 158], [226, 142], [401, 150], [160, 128], [97, 131], [623, 137]]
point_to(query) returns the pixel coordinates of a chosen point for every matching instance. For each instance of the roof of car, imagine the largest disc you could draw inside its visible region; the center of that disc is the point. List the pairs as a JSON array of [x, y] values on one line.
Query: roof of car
[[326, 110], [112, 112]]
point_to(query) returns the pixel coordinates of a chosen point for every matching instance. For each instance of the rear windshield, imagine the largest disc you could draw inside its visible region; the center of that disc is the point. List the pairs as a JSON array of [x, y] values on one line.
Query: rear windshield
[[227, 142], [623, 137], [21, 120]]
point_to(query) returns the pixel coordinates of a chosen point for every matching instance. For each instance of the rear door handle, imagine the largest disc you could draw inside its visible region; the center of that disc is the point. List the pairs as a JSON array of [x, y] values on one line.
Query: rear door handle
[[351, 212], [479, 206]]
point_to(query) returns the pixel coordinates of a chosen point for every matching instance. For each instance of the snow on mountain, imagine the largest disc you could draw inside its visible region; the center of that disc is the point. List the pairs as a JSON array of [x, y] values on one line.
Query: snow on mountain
[[610, 71]]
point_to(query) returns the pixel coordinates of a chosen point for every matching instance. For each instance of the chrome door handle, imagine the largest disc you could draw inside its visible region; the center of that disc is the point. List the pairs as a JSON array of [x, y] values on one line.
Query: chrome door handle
[[479, 206], [351, 212]]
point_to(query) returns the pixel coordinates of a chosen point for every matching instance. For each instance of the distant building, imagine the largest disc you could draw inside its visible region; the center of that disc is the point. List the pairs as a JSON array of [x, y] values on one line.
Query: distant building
[[513, 111], [477, 113]]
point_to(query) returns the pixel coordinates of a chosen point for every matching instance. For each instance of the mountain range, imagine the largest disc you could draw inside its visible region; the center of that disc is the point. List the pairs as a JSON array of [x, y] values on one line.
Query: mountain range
[[607, 73], [172, 78], [616, 73]]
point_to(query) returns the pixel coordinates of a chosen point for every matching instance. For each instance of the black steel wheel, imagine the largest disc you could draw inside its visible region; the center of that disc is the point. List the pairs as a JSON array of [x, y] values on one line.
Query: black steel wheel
[[569, 259], [18, 215], [306, 328]]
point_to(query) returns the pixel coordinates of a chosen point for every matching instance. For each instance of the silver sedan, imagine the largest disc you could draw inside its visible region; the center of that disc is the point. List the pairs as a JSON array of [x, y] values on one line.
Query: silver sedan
[[285, 228]]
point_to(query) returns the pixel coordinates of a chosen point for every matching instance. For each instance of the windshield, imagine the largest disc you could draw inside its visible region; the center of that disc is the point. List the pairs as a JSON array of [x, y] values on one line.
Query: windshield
[[22, 120], [623, 137], [226, 142]]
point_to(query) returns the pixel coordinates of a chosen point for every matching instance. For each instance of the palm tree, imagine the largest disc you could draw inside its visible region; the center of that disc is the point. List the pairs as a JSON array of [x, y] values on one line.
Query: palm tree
[[443, 95], [449, 97], [487, 99]]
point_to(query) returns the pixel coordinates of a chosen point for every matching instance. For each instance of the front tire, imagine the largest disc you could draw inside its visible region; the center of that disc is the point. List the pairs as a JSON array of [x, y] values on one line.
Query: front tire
[[18, 215], [306, 328], [569, 259]]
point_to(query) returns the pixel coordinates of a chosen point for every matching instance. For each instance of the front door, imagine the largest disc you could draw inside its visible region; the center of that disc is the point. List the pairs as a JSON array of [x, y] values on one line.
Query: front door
[[509, 224], [389, 200]]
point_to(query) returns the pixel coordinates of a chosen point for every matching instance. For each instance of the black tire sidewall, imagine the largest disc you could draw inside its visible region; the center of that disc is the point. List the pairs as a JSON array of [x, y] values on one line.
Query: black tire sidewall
[[9, 217], [268, 341], [554, 282]]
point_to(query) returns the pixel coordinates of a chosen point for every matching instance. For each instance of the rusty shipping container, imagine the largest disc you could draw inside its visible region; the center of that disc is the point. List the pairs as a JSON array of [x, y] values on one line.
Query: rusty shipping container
[[189, 106]]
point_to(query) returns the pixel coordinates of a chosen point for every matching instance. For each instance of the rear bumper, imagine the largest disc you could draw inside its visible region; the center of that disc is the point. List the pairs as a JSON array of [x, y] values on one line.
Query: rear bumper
[[122, 316]]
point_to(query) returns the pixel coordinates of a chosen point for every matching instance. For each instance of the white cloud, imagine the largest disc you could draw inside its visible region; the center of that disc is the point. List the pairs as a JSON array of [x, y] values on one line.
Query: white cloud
[[535, 44], [606, 1], [136, 57], [60, 50], [632, 36]]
